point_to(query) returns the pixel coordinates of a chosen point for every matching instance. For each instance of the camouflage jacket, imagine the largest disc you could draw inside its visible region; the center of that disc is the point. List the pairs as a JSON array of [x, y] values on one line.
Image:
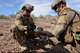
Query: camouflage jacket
[[66, 17], [23, 21]]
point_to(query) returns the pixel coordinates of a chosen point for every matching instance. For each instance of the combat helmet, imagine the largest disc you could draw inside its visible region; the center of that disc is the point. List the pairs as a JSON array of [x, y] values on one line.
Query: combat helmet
[[28, 7], [57, 2]]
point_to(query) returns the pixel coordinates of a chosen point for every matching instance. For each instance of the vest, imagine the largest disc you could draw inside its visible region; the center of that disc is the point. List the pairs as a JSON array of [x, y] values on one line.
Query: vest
[[67, 35]]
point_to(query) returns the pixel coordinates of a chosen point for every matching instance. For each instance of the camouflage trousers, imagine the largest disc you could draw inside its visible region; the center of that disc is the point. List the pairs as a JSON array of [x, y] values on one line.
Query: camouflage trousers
[[21, 37]]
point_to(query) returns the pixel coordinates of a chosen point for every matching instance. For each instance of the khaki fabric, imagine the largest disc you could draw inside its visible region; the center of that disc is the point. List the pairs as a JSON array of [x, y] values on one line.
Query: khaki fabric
[[28, 7], [22, 21], [62, 22], [61, 28], [56, 2], [19, 28]]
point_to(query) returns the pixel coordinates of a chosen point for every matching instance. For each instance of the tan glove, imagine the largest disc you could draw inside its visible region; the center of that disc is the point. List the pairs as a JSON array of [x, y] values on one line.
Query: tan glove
[[25, 27]]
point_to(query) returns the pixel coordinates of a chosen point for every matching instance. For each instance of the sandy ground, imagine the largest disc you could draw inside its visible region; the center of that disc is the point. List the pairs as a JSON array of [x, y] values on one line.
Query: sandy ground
[[9, 45]]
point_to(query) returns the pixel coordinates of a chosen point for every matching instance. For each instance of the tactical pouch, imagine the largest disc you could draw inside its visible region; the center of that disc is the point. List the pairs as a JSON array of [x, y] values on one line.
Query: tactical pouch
[[69, 36], [77, 35]]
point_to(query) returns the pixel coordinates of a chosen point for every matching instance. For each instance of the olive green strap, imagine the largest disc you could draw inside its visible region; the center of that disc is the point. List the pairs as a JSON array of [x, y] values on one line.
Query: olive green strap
[[77, 14]]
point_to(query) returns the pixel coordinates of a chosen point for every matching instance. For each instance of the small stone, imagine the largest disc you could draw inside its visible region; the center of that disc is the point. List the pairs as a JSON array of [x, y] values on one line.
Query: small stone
[[1, 34]]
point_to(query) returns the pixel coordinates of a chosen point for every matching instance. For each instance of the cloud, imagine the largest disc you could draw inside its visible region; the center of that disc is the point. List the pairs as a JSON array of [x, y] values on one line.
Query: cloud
[[73, 1], [74, 4], [41, 7]]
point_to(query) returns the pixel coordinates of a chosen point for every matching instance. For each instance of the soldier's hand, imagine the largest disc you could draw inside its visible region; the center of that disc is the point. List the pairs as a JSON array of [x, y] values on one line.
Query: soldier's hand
[[25, 27], [26, 32]]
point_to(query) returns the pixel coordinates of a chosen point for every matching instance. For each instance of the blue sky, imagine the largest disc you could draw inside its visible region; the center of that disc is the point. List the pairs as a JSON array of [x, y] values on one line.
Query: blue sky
[[41, 7]]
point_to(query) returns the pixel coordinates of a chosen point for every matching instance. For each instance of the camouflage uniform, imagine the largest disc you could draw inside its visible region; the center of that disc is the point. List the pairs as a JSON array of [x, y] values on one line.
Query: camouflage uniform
[[64, 22], [24, 27], [64, 28]]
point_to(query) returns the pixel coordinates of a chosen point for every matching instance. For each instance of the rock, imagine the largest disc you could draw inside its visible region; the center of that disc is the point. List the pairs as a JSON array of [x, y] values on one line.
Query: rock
[[1, 34]]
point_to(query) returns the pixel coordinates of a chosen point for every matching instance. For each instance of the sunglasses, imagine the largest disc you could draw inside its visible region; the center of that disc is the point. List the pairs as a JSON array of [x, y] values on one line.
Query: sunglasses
[[56, 6], [28, 10]]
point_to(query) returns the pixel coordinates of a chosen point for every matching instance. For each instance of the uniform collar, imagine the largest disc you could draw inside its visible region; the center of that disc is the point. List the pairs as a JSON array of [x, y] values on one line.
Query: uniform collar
[[64, 9]]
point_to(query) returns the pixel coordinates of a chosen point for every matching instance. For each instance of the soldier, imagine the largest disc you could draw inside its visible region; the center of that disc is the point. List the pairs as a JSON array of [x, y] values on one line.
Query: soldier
[[64, 25], [24, 26]]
